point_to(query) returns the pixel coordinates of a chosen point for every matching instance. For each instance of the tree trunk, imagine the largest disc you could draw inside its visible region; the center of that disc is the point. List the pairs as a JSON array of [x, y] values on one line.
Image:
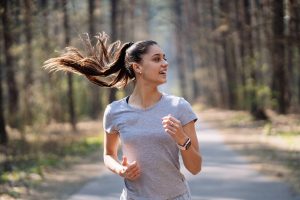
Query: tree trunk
[[225, 44], [28, 79], [179, 48], [279, 79], [3, 133], [131, 24], [249, 61], [71, 102], [216, 59], [47, 78], [294, 41], [192, 26], [94, 89], [13, 93], [240, 16], [114, 6]]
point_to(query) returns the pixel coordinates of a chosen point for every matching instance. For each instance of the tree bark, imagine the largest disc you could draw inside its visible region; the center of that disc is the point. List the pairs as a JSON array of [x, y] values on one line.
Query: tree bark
[[3, 132], [223, 100], [28, 79], [294, 41], [71, 102], [13, 93], [179, 44], [256, 110], [94, 89], [225, 44], [192, 26], [279, 80], [47, 78], [240, 16], [114, 6]]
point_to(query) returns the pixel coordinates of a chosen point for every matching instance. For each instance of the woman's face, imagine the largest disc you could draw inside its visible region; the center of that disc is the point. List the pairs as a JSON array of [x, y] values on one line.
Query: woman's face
[[154, 66]]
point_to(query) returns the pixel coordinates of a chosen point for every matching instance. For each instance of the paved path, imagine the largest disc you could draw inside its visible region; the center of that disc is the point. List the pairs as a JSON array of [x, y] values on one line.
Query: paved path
[[225, 176]]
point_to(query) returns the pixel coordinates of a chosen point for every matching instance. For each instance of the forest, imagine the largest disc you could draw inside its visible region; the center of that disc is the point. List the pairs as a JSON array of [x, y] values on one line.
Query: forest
[[241, 55]]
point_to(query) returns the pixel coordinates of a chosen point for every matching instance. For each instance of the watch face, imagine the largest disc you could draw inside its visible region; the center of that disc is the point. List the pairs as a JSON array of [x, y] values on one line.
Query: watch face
[[188, 145]]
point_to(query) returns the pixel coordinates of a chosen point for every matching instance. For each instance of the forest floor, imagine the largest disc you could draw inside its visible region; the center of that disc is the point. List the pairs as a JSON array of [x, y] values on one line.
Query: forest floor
[[50, 162], [271, 147]]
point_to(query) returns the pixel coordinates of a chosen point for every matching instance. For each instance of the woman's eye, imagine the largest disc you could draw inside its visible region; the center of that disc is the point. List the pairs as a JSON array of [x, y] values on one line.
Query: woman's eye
[[156, 59]]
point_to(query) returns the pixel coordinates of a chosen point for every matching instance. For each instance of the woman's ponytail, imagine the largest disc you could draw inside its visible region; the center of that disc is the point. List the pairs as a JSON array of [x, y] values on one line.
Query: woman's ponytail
[[105, 65]]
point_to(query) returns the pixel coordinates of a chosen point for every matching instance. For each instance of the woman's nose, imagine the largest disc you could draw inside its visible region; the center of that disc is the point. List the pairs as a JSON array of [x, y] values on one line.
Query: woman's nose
[[165, 63]]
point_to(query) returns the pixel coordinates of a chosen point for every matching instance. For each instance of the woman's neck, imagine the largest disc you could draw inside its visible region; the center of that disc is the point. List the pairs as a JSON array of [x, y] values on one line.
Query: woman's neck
[[144, 97]]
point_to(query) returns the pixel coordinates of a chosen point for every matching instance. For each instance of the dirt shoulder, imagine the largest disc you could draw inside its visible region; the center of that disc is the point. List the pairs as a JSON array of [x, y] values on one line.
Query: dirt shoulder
[[270, 147]]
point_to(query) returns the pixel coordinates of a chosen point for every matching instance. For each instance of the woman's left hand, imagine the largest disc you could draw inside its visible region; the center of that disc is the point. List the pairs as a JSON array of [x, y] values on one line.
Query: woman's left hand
[[174, 128]]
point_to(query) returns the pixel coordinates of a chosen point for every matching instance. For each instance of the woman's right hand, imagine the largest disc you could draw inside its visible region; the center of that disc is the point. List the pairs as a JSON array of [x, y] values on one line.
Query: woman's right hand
[[131, 170]]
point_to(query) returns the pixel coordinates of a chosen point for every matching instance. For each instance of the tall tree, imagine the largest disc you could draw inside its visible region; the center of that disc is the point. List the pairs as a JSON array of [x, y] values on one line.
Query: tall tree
[[94, 89], [255, 109], [279, 79], [114, 35], [3, 133], [13, 93], [131, 25], [223, 100], [177, 4], [28, 80], [71, 102], [226, 44], [49, 94], [294, 45], [192, 23], [240, 27]]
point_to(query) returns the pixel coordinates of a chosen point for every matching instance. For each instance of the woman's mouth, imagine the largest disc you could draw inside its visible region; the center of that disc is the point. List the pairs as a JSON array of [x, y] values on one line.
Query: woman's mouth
[[163, 72]]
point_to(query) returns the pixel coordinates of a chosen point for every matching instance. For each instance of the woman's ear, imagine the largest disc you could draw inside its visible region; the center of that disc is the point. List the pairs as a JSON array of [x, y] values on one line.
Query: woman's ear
[[136, 68]]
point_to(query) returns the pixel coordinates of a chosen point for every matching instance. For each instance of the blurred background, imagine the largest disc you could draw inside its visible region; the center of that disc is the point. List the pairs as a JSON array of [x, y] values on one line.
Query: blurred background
[[238, 55]]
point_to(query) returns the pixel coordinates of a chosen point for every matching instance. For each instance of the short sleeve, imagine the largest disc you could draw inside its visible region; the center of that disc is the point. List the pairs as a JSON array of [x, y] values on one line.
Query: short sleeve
[[108, 120], [186, 113]]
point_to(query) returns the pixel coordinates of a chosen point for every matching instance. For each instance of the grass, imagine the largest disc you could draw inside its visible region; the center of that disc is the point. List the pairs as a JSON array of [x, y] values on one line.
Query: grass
[[27, 160], [84, 147]]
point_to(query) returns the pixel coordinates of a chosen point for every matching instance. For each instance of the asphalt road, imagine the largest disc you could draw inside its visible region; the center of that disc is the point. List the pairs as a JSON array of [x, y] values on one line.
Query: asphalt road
[[225, 175]]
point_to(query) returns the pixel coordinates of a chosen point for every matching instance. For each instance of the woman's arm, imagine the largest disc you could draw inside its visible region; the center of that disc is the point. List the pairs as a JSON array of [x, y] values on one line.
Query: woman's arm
[[127, 170], [111, 144], [192, 158]]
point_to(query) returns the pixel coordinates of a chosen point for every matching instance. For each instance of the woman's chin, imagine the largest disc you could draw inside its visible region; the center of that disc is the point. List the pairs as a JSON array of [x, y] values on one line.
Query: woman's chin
[[163, 82]]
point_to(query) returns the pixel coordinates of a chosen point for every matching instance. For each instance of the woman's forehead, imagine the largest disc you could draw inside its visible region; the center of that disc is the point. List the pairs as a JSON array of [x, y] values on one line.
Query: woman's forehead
[[154, 49]]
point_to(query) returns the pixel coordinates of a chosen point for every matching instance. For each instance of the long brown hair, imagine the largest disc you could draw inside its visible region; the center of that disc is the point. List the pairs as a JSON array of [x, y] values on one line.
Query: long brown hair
[[107, 65]]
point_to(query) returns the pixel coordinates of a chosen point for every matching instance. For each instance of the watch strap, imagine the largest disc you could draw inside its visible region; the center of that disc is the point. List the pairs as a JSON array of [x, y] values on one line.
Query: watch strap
[[186, 145]]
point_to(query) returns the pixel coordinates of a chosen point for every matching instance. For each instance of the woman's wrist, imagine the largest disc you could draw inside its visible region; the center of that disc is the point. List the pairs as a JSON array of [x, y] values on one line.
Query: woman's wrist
[[120, 170], [182, 139]]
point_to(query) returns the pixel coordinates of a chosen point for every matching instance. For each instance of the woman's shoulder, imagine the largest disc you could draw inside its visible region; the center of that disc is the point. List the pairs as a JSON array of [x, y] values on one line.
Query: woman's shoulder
[[176, 100], [173, 99], [115, 105]]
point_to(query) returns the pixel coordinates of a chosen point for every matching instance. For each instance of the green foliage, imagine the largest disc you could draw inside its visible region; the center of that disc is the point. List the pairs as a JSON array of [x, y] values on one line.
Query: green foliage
[[258, 94], [267, 129], [82, 96], [241, 118], [288, 133], [84, 147]]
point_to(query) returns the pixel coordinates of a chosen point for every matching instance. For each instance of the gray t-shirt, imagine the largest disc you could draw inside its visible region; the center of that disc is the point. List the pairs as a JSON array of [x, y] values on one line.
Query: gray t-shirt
[[144, 140]]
